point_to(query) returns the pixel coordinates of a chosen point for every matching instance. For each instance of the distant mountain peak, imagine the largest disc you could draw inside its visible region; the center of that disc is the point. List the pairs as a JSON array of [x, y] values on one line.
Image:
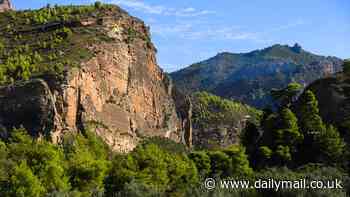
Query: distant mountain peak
[[297, 48], [248, 77]]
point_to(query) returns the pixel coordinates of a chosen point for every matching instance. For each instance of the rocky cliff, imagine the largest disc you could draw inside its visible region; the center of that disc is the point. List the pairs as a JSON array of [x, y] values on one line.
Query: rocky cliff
[[5, 5], [93, 69], [218, 122]]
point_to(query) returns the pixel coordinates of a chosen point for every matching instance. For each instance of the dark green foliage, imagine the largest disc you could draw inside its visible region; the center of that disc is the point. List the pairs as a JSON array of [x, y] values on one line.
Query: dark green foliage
[[222, 116], [346, 66], [239, 161], [30, 167], [24, 183], [220, 164], [33, 168], [154, 169], [282, 138], [48, 40], [279, 141], [324, 143], [308, 115], [98, 4], [202, 161], [87, 161], [166, 144], [288, 131], [229, 162], [287, 95], [332, 145], [209, 108], [311, 126]]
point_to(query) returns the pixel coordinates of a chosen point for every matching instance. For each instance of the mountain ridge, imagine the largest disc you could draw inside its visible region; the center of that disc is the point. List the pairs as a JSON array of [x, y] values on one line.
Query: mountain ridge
[[254, 73]]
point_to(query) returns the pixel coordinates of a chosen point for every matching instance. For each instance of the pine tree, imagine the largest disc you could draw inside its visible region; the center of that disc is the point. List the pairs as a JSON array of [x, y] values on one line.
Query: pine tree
[[332, 145], [312, 127], [287, 95], [288, 132], [308, 114], [346, 66], [321, 144]]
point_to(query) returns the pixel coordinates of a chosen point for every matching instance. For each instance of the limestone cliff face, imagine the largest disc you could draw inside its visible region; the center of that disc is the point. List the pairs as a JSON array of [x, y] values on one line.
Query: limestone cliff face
[[120, 92], [5, 5]]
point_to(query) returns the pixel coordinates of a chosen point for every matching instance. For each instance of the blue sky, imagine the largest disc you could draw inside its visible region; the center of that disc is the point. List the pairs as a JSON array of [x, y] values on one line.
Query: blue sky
[[186, 32]]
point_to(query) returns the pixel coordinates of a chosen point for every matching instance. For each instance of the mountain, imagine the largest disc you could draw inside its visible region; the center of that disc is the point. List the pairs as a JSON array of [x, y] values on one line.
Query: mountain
[[74, 68], [249, 77]]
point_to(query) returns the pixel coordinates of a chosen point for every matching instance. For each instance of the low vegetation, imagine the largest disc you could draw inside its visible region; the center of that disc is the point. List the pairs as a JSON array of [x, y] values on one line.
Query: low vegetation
[[210, 109], [51, 39]]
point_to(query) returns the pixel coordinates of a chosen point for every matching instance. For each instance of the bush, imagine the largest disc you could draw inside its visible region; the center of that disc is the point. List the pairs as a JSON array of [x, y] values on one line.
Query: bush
[[346, 66], [153, 169]]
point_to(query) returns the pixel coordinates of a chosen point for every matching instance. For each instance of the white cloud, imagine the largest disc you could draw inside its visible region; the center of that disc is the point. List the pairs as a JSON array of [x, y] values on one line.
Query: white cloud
[[208, 31], [160, 9], [192, 32]]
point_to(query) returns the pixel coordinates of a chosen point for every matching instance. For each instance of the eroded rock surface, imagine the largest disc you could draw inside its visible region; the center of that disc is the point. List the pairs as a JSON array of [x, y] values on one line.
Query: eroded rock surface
[[120, 92], [5, 5]]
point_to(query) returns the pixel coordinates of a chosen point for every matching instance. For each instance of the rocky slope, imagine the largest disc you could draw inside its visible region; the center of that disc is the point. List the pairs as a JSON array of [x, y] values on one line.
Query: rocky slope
[[72, 68], [249, 77], [5, 5]]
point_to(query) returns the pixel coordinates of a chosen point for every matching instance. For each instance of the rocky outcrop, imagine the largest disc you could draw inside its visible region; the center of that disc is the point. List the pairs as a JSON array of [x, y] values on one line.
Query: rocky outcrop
[[120, 92], [218, 122], [28, 104], [184, 108], [5, 5]]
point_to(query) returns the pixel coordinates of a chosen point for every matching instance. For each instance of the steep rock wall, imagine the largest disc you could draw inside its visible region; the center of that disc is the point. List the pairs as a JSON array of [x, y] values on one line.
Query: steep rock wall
[[5, 5], [120, 92]]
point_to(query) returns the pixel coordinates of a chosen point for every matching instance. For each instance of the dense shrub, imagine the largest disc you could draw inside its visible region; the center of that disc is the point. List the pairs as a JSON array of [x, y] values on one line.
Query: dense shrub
[[152, 168]]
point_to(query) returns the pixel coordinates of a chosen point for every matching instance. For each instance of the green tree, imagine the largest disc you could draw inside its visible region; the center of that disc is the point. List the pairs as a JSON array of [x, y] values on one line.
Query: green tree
[[239, 161], [151, 168], [308, 115], [265, 155], [98, 4], [312, 127], [287, 95], [45, 160], [283, 154], [220, 164], [24, 183], [280, 138], [202, 161], [332, 145], [87, 162], [346, 66], [231, 161], [321, 144], [287, 132]]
